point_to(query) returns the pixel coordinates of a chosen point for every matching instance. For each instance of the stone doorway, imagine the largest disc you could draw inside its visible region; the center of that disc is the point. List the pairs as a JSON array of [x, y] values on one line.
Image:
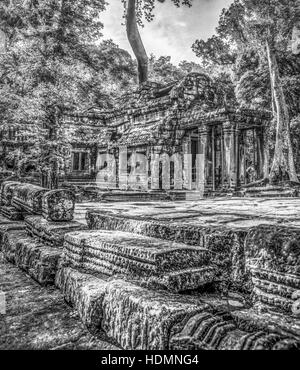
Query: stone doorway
[[194, 154]]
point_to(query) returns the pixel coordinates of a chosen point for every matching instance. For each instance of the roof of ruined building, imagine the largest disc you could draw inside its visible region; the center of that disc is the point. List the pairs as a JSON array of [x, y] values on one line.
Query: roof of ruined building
[[193, 99], [139, 135], [153, 96]]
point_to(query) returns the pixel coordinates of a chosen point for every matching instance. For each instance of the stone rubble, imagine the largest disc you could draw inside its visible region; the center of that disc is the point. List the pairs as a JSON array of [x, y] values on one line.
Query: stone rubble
[[117, 281]]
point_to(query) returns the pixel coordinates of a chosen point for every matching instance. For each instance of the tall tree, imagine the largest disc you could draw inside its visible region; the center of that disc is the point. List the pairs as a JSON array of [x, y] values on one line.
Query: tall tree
[[52, 66], [255, 33], [134, 12]]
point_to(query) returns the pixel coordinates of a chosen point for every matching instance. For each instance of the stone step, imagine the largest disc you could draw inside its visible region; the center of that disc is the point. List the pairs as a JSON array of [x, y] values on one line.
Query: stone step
[[193, 195], [273, 194], [270, 192], [175, 266], [264, 188], [127, 196]]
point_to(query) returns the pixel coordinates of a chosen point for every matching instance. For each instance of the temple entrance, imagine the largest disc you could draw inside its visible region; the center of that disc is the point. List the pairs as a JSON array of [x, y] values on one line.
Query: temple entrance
[[194, 152], [217, 158], [250, 166], [160, 174], [172, 173], [214, 173]]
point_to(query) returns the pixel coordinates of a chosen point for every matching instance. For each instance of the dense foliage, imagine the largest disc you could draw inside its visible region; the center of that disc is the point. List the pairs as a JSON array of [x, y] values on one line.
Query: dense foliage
[[253, 40], [51, 66], [54, 62]]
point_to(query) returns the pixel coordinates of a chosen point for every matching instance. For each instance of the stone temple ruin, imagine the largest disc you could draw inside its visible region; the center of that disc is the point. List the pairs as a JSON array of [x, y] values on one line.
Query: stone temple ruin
[[180, 137], [162, 278]]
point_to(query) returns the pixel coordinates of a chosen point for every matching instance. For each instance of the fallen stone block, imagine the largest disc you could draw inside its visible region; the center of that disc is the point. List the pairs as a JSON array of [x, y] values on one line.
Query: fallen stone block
[[85, 292], [219, 331], [58, 205], [43, 265], [226, 245], [6, 192], [54, 205], [280, 323], [272, 256], [4, 228], [139, 318], [12, 213], [28, 197], [173, 265], [10, 240], [4, 220], [180, 280], [38, 261], [51, 233]]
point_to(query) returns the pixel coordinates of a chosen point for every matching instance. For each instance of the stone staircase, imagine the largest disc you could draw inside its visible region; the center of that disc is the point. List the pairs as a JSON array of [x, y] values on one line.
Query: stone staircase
[[269, 191]]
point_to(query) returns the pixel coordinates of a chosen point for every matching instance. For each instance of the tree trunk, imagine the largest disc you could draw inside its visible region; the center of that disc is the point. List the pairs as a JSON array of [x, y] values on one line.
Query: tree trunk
[[283, 167], [135, 41]]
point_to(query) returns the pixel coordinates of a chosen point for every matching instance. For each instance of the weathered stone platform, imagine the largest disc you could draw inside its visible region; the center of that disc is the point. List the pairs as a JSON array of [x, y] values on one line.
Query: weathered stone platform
[[174, 266], [230, 212], [254, 243], [139, 318]]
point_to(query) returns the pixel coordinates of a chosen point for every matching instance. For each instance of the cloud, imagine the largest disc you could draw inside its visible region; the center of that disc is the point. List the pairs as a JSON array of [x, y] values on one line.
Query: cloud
[[173, 30]]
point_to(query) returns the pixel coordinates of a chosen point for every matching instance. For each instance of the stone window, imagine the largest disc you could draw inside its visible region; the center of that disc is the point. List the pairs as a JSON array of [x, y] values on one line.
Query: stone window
[[80, 161]]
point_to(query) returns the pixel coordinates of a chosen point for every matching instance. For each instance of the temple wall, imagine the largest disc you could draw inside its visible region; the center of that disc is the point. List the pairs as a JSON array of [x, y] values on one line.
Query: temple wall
[[138, 176], [178, 180], [106, 170]]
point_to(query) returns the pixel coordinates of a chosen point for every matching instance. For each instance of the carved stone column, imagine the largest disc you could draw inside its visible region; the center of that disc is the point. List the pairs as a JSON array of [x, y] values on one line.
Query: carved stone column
[[202, 160], [177, 171], [111, 170], [260, 152], [123, 168], [165, 171], [187, 164], [230, 134], [154, 170]]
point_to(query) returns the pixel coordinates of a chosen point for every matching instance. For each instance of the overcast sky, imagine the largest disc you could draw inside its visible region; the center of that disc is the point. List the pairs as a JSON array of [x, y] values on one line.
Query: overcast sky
[[173, 30]]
